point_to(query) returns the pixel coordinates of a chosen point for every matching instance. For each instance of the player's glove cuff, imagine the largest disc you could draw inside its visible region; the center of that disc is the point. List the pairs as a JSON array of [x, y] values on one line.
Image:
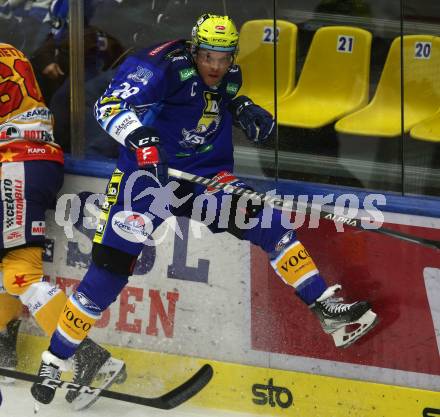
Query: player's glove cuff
[[255, 121], [150, 156], [142, 137], [237, 106]]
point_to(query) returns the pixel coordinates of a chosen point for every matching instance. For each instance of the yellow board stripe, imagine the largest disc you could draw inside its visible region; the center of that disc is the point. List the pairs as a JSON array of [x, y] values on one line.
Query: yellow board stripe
[[151, 374]]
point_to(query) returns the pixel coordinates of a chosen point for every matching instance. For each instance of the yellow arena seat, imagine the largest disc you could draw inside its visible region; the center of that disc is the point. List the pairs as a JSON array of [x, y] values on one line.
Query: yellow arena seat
[[334, 80], [428, 129], [382, 116], [256, 59]]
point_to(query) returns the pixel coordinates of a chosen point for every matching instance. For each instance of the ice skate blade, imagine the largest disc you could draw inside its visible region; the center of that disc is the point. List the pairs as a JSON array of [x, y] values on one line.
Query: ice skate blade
[[40, 408], [344, 339], [113, 371]]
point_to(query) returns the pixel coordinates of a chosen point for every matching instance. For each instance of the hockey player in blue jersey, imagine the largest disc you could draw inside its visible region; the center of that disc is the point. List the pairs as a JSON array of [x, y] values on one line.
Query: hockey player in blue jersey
[[173, 105]]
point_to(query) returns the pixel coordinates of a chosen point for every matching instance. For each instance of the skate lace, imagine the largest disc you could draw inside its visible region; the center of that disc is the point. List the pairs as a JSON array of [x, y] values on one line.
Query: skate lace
[[334, 305], [75, 369], [49, 371]]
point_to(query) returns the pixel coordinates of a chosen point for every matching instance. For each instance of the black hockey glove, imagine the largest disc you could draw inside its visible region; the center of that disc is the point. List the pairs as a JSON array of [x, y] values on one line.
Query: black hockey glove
[[150, 156], [256, 122]]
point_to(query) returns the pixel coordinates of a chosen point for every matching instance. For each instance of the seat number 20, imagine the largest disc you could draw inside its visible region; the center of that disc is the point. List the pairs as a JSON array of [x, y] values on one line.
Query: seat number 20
[[423, 50]]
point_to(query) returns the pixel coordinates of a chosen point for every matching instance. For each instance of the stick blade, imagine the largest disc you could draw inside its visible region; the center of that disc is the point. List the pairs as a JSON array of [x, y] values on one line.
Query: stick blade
[[170, 400], [188, 389]]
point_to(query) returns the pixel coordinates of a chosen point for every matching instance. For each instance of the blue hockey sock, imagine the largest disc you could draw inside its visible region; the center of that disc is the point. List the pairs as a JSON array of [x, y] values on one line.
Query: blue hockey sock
[[311, 289]]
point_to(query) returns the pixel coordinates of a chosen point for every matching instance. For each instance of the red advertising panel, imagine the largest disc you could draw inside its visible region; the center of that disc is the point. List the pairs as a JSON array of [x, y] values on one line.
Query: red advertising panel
[[390, 273]]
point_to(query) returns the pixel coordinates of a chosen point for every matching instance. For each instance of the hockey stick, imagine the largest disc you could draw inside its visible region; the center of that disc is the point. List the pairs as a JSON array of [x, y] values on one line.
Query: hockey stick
[[167, 401], [293, 205]]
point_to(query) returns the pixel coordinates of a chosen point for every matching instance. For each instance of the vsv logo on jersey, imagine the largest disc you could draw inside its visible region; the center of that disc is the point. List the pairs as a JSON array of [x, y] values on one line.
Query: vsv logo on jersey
[[208, 123], [272, 395]]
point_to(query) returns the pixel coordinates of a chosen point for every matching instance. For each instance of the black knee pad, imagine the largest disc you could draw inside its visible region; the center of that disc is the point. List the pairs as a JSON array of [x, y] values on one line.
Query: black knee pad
[[252, 209], [113, 260]]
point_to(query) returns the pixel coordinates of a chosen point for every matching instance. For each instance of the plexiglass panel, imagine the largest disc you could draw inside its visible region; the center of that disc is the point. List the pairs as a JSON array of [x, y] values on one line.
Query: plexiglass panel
[[338, 99], [421, 150], [341, 123]]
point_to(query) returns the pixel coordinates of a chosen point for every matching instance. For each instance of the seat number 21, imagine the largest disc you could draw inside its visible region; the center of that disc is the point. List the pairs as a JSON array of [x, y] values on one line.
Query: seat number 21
[[345, 44]]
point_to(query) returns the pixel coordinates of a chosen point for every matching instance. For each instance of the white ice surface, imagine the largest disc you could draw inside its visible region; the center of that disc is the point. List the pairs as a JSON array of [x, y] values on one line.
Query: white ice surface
[[18, 402]]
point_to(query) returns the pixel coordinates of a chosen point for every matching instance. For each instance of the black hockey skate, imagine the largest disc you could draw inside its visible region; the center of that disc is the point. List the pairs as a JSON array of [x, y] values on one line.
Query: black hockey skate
[[94, 366], [8, 345], [8, 349], [336, 317], [50, 367]]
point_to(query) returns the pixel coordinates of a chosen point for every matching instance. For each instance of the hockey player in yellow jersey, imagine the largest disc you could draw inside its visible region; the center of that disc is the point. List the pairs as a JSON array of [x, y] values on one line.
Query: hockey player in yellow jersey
[[31, 174]]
